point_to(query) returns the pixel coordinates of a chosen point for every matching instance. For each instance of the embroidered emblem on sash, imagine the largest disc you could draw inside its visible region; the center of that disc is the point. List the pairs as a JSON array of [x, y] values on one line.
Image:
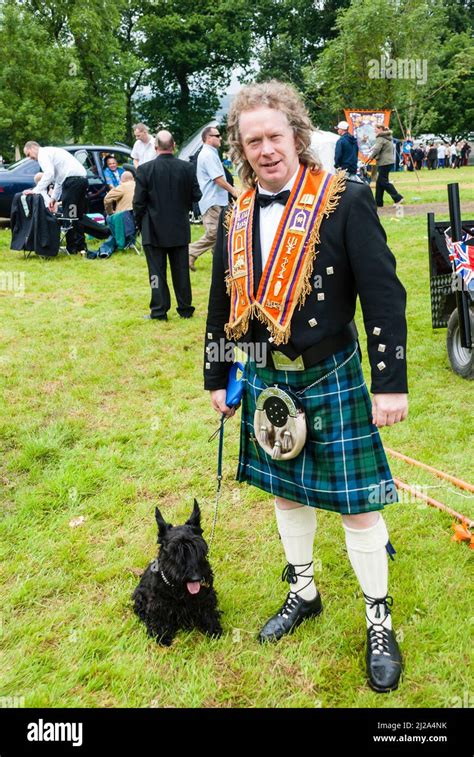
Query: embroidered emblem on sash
[[286, 278], [300, 221]]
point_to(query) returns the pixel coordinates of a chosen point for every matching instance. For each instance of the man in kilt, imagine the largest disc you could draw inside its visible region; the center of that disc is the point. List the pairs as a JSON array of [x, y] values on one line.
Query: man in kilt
[[291, 256]]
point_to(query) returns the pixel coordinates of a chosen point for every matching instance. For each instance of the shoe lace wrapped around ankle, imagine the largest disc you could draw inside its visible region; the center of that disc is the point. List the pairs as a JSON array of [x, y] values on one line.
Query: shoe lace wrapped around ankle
[[378, 634], [290, 575]]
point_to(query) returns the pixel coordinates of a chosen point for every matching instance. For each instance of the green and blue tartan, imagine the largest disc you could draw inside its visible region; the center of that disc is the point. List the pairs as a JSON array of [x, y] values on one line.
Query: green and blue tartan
[[343, 466]]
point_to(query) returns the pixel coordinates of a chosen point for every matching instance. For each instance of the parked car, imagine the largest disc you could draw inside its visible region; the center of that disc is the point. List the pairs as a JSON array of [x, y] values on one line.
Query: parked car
[[19, 176]]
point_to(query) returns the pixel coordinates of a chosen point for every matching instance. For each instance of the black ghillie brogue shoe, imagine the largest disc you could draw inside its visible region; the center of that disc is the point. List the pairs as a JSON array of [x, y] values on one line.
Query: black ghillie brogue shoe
[[384, 659], [294, 610]]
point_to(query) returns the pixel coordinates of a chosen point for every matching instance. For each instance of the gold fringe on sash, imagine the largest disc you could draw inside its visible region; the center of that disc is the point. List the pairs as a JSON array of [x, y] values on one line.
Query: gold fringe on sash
[[227, 217], [304, 288]]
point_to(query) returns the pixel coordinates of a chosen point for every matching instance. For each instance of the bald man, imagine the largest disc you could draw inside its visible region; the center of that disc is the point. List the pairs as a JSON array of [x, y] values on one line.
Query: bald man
[[121, 197], [165, 190]]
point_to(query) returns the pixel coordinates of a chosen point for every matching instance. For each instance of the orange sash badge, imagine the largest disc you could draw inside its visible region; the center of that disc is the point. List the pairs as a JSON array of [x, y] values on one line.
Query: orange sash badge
[[285, 280]]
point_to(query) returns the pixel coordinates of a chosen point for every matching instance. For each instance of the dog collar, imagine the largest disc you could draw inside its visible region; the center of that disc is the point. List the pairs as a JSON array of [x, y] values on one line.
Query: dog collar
[[168, 583], [156, 569]]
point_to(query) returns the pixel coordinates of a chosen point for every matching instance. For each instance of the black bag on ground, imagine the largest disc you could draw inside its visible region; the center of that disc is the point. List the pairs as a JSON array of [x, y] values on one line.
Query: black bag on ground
[[94, 229]]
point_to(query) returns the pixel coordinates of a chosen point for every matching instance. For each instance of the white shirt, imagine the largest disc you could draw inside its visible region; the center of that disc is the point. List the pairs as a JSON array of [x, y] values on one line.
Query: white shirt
[[209, 167], [441, 151], [57, 166], [270, 218], [144, 151]]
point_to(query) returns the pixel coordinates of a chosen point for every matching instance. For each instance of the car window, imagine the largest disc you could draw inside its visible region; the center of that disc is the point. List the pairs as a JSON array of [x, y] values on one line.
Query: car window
[[121, 157], [25, 166], [86, 159]]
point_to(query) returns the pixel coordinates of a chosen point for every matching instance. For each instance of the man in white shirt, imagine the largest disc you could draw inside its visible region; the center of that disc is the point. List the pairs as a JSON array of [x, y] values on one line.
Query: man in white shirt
[[69, 179], [214, 187], [441, 155], [144, 147]]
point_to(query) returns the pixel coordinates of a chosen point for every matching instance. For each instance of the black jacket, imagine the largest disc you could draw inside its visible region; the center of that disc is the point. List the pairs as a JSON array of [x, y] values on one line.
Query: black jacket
[[353, 260], [39, 231], [345, 155], [165, 190]]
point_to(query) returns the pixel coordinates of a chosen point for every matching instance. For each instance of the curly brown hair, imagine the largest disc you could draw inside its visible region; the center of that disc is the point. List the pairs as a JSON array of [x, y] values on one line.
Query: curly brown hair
[[270, 94]]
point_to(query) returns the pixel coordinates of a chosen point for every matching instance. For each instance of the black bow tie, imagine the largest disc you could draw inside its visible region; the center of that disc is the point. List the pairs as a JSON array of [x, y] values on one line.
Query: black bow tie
[[265, 200]]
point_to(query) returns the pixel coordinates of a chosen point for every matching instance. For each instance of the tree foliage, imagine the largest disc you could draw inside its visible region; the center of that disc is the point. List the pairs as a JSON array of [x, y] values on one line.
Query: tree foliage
[[36, 99], [395, 54], [86, 71], [191, 49]]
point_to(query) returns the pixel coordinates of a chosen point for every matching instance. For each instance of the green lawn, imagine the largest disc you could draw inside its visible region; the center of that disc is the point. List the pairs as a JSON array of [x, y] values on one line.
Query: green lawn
[[104, 417]]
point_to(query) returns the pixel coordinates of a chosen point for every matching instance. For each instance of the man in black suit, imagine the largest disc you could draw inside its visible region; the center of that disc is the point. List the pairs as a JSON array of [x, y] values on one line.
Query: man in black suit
[[165, 189], [290, 259]]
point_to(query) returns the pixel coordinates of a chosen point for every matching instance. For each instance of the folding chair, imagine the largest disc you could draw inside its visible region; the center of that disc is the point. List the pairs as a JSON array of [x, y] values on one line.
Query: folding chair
[[120, 239]]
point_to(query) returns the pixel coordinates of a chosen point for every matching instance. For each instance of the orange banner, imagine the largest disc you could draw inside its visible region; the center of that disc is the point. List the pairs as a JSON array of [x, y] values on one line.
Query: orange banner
[[362, 125]]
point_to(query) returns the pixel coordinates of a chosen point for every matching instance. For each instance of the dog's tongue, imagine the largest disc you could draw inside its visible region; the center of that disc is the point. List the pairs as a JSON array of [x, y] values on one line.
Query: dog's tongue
[[193, 587]]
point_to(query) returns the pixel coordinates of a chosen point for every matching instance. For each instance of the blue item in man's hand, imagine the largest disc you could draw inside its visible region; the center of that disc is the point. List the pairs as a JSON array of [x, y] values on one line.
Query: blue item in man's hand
[[235, 385]]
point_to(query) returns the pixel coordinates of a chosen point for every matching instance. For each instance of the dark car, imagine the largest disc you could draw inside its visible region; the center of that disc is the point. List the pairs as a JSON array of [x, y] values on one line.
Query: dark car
[[19, 176]]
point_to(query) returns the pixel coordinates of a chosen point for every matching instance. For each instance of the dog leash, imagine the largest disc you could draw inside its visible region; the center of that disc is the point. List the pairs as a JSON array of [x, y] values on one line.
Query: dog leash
[[220, 453], [235, 387]]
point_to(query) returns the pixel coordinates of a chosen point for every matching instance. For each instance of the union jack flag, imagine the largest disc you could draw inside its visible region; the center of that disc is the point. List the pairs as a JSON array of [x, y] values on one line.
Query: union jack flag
[[461, 255]]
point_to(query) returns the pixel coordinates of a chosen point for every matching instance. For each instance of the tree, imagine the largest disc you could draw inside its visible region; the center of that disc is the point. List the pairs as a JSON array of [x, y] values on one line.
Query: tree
[[191, 50], [36, 99], [290, 34], [452, 95], [109, 69], [385, 55]]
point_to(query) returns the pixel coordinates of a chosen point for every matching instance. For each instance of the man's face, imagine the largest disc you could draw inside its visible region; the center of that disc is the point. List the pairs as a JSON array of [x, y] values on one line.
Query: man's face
[[269, 146], [32, 152], [341, 131], [141, 135], [112, 164], [214, 138]]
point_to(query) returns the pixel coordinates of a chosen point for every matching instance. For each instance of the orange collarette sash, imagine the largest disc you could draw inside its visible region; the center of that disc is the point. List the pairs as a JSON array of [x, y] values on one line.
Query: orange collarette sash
[[285, 280]]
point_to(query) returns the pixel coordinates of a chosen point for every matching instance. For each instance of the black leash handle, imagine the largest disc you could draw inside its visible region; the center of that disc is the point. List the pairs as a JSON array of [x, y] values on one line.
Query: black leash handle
[[220, 455]]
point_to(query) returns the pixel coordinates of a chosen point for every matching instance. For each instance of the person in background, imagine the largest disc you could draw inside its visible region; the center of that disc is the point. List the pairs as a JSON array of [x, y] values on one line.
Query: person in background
[[120, 198], [418, 155], [447, 156], [441, 154], [465, 152], [406, 150], [432, 157], [345, 156], [454, 154], [165, 191], [45, 193], [144, 147], [382, 151], [69, 178], [112, 172], [214, 188]]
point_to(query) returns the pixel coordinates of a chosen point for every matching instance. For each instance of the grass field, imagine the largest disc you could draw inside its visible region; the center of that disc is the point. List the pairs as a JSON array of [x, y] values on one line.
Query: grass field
[[104, 416]]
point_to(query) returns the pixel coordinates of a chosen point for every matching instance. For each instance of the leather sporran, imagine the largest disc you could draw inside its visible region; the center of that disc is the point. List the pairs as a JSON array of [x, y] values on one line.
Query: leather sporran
[[279, 424]]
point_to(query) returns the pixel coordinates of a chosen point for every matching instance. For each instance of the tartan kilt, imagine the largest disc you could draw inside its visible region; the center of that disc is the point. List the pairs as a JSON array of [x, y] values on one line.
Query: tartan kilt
[[343, 466]]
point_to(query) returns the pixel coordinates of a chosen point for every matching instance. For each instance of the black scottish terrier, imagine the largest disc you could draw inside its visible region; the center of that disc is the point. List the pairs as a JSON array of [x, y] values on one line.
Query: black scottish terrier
[[176, 590]]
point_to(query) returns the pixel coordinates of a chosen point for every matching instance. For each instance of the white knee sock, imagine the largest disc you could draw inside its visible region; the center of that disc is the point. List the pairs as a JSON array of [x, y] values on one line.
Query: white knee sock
[[297, 528], [368, 556]]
